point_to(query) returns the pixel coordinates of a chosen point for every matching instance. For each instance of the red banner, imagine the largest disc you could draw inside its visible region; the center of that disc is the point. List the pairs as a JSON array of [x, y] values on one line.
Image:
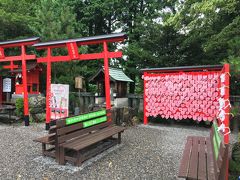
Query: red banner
[[73, 50]]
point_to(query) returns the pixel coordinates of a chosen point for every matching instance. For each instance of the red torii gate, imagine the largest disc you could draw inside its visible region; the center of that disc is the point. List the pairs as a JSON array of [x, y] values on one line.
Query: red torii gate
[[22, 44], [72, 46]]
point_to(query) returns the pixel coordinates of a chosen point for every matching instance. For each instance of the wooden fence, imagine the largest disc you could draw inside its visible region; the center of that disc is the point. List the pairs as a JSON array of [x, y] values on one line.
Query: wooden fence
[[86, 101]]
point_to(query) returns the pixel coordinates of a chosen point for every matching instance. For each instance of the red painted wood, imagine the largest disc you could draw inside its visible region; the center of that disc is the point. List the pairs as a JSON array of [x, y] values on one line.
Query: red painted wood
[[48, 92], [11, 66], [107, 79], [83, 43], [145, 120], [226, 69], [73, 50], [54, 59], [24, 77], [1, 93], [17, 58], [93, 56], [100, 55], [226, 97], [2, 56]]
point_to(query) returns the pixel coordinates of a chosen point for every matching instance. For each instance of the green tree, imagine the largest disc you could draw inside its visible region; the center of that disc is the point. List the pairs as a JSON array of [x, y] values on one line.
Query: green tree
[[15, 18]]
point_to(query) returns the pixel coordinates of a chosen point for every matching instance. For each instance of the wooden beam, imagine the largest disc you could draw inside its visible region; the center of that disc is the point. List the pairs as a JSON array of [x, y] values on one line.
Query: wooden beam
[[17, 58], [80, 57]]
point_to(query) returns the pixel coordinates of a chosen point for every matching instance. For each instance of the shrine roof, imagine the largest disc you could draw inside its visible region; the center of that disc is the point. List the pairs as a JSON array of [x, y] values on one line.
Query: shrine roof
[[184, 68], [19, 41], [114, 73], [83, 39]]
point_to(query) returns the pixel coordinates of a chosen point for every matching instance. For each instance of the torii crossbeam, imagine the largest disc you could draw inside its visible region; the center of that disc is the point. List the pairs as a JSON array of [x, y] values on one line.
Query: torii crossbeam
[[72, 46], [23, 57]]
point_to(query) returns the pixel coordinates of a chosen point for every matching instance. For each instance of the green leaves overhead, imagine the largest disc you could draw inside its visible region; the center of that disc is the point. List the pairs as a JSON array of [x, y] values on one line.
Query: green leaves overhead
[[161, 32]]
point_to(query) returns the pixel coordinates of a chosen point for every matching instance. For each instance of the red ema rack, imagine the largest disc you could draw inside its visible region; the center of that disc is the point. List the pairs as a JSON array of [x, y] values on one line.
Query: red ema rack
[[200, 93]]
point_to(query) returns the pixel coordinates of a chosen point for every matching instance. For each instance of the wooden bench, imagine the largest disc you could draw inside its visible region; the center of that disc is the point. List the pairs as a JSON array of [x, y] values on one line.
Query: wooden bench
[[78, 138], [204, 157]]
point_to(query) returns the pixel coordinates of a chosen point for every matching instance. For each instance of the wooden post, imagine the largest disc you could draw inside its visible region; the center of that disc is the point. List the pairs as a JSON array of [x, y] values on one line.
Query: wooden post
[[107, 79], [145, 119], [226, 97], [48, 93], [226, 71], [25, 89]]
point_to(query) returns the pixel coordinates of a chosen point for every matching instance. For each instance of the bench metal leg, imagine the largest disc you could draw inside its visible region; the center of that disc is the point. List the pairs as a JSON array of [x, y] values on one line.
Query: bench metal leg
[[61, 156], [119, 138]]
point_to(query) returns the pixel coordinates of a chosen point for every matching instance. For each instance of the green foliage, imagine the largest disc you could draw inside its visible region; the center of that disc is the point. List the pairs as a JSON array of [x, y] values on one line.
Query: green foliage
[[235, 110], [161, 33], [54, 20], [236, 152], [19, 107], [234, 168], [15, 18]]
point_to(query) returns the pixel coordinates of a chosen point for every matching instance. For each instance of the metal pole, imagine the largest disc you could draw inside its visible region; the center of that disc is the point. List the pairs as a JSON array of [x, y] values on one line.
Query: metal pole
[[25, 88]]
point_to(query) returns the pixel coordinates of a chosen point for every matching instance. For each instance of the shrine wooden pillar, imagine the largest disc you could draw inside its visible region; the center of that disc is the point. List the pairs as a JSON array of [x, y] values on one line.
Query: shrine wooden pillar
[[106, 76], [22, 44]]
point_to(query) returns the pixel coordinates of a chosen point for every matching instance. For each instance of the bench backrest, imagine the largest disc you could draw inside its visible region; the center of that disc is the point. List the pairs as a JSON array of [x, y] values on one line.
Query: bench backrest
[[76, 126], [219, 151]]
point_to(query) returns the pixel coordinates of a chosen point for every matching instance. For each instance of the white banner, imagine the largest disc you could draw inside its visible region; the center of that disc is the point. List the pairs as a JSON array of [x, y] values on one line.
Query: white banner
[[59, 101], [7, 85]]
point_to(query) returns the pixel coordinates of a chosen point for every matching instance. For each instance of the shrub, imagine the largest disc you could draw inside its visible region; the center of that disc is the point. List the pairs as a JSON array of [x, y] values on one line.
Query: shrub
[[19, 107]]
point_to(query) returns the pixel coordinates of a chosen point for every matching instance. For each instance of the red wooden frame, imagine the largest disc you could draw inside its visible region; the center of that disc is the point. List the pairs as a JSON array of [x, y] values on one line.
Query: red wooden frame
[[218, 68], [23, 57], [222, 69], [72, 46]]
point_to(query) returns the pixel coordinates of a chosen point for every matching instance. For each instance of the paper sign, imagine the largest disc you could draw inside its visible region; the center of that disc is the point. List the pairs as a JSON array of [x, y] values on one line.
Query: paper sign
[[59, 101], [7, 85]]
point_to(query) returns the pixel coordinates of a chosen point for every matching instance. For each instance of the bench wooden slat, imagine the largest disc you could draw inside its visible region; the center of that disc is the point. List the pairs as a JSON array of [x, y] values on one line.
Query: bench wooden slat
[[193, 164], [52, 129], [93, 138], [210, 165], [202, 174], [83, 131], [79, 140], [184, 165], [73, 142], [207, 157], [101, 137], [48, 139]]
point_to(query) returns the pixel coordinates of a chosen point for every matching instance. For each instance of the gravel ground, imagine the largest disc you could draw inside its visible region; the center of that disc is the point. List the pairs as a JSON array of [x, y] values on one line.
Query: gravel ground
[[146, 152]]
